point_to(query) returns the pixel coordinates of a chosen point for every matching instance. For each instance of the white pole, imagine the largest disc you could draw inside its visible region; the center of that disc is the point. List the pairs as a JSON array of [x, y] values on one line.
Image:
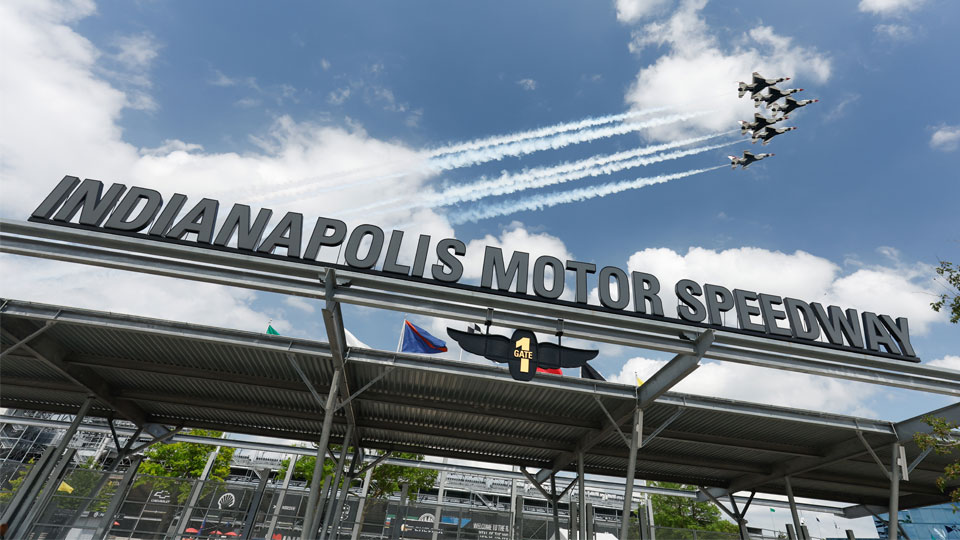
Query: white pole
[[403, 327]]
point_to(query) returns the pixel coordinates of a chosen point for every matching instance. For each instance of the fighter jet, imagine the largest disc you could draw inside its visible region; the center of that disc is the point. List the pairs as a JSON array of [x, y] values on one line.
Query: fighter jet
[[747, 159], [773, 94], [790, 104], [758, 83], [768, 133], [759, 122]]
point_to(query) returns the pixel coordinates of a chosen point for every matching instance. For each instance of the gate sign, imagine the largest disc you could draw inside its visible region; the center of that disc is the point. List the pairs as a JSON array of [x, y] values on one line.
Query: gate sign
[[144, 213], [521, 352]]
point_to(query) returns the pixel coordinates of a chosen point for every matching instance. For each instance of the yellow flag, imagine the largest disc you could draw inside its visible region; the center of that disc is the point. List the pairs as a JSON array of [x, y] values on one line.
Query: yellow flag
[[639, 382], [65, 487]]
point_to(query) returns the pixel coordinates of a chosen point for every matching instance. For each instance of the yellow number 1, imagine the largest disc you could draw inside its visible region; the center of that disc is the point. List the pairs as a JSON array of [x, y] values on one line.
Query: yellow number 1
[[524, 345]]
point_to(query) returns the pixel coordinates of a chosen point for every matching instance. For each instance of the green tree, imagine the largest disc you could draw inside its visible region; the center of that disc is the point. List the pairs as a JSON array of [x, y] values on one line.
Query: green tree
[[943, 442], [950, 299], [940, 437], [687, 513], [183, 460], [386, 479]]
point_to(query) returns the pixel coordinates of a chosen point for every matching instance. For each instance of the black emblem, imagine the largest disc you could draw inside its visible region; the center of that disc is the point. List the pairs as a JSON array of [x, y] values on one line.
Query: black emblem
[[521, 352]]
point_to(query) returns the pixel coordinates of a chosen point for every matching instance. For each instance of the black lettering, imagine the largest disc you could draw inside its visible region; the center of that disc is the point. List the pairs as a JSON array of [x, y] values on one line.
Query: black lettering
[[623, 292], [719, 300], [238, 221], [449, 260], [581, 269], [352, 253], [337, 232], [876, 335], [87, 200], [56, 197], [900, 331], [390, 263], [120, 218], [200, 220], [540, 277], [167, 215], [687, 291], [745, 310], [420, 259], [493, 267], [645, 289], [771, 315], [287, 234], [802, 320], [835, 325]]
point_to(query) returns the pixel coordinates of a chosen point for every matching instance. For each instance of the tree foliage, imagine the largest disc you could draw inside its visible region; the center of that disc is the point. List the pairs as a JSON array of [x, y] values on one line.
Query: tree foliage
[[950, 299], [183, 460], [386, 479], [944, 443], [687, 513]]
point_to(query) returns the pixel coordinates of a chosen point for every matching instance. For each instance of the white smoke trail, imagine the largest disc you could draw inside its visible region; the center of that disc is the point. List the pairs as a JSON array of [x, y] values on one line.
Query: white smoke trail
[[538, 133], [554, 142], [547, 176], [548, 200]]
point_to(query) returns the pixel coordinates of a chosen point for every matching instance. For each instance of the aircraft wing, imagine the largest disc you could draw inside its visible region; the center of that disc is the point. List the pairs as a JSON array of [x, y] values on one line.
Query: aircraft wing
[[556, 356]]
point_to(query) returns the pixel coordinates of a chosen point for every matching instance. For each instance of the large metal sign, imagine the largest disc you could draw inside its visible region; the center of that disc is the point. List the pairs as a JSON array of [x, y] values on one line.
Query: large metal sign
[[143, 213]]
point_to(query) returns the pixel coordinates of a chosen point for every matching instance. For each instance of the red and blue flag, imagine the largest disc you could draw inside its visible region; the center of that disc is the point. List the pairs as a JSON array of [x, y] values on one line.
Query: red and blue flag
[[418, 340]]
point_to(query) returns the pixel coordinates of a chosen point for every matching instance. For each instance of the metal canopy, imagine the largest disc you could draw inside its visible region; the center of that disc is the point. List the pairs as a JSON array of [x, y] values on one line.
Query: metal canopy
[[185, 375]]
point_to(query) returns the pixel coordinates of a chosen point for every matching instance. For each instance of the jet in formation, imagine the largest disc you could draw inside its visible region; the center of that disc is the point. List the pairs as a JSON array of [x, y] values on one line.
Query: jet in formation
[[758, 83], [759, 122], [790, 104], [768, 133], [772, 95], [748, 158]]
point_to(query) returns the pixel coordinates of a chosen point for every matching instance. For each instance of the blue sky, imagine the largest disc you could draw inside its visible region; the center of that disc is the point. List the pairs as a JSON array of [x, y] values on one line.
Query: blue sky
[[250, 102]]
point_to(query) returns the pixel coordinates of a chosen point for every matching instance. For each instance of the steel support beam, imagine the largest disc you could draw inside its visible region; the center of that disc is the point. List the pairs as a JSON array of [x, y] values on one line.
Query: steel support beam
[[581, 498], [27, 339], [283, 494], [309, 524], [337, 475], [50, 352], [894, 492], [460, 303], [337, 338], [118, 497], [635, 434], [794, 515]]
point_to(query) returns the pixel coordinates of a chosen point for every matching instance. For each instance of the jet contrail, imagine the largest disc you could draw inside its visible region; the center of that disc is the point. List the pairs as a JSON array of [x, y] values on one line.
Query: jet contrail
[[547, 176], [538, 133], [553, 142], [548, 200]]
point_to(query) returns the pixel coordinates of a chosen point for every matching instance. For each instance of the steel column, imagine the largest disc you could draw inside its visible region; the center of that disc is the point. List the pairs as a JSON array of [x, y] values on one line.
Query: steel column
[[255, 504], [358, 522], [195, 493], [793, 505], [16, 517], [635, 435], [283, 494], [118, 497], [554, 503], [438, 511], [894, 523], [329, 518], [309, 523], [582, 502]]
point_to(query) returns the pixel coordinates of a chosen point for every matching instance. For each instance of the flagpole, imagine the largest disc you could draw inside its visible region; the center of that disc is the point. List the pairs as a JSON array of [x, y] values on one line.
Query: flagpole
[[403, 326]]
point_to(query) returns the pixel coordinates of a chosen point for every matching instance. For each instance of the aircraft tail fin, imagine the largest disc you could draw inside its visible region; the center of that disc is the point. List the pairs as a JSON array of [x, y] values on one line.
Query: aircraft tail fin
[[743, 89]]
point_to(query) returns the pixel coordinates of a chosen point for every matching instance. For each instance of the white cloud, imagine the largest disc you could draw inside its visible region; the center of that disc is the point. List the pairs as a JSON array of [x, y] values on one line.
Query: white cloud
[[947, 362], [629, 11], [51, 73], [527, 84], [889, 7], [300, 303], [325, 64], [697, 73], [339, 96], [136, 51], [894, 32], [512, 239], [945, 138], [761, 385], [898, 289]]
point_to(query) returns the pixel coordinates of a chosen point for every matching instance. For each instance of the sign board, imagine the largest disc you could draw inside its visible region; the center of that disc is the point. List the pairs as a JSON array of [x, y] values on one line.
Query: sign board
[[144, 213]]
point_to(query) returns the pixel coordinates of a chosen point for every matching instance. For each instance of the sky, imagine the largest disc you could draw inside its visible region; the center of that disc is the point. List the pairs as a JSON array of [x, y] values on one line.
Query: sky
[[361, 111]]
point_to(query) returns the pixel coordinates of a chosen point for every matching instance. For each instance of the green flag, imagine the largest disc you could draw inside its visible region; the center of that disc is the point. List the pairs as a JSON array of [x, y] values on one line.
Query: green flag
[[271, 331]]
